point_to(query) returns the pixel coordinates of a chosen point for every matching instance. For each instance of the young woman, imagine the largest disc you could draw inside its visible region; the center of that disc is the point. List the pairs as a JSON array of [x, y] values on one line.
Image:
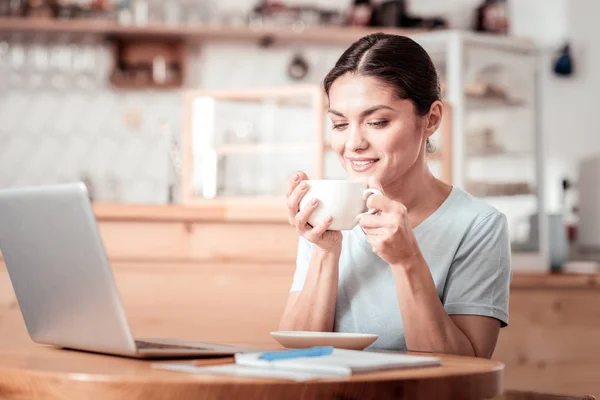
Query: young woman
[[430, 271]]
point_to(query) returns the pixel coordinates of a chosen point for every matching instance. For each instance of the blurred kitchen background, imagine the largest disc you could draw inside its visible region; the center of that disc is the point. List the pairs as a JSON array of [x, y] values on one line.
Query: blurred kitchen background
[[147, 100]]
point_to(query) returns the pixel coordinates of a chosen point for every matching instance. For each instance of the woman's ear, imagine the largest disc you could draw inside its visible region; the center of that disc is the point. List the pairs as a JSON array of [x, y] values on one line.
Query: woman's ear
[[434, 118]]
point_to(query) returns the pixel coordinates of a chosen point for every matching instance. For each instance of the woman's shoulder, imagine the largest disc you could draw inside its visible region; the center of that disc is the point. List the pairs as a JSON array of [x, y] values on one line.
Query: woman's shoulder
[[474, 211]]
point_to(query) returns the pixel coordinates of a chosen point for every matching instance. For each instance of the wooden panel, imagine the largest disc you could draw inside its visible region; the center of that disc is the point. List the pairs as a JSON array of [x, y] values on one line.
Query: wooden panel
[[12, 327], [327, 34], [158, 212], [551, 344], [237, 303], [195, 233], [541, 280], [178, 241], [528, 395], [234, 303], [261, 210], [539, 320], [580, 378]]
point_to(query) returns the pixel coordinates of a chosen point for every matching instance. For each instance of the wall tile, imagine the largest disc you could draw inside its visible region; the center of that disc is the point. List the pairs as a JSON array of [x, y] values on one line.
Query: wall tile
[[112, 138]]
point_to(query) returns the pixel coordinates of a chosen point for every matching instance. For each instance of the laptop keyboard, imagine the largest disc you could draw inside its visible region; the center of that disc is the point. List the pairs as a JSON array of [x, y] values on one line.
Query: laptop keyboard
[[143, 345]]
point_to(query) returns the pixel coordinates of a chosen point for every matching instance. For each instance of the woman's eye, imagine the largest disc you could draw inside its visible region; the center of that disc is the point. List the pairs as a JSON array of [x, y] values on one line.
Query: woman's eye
[[378, 124], [339, 127]]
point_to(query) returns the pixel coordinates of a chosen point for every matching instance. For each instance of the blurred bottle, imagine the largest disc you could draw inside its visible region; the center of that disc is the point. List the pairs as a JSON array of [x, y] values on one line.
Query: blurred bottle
[[39, 9], [13, 8], [492, 16], [360, 13], [558, 243], [388, 13]]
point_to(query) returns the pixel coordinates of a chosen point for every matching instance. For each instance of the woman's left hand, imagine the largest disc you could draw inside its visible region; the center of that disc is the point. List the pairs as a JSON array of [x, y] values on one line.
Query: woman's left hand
[[388, 231]]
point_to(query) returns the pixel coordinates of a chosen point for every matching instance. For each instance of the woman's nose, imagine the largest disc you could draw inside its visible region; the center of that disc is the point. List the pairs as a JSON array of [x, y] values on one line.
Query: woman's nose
[[356, 140]]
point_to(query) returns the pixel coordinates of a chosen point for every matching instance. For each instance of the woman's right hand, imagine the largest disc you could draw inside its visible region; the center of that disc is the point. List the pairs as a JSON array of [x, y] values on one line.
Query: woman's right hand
[[319, 235]]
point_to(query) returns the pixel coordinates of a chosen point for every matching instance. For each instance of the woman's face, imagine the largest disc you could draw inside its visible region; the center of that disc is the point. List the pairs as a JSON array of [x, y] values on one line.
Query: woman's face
[[374, 132]]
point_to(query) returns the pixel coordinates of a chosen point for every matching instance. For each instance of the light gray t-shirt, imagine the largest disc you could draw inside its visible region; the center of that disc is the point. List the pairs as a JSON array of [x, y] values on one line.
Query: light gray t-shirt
[[466, 245]]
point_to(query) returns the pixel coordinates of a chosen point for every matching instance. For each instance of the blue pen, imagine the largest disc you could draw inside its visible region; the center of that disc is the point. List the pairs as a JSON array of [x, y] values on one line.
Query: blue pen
[[286, 354]]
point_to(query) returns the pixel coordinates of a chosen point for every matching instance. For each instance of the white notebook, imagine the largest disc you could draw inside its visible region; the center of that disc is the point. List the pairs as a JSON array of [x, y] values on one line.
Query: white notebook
[[239, 370], [341, 362]]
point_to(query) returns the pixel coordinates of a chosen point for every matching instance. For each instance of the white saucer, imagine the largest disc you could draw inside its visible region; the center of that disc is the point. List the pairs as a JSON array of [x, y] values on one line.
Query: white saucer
[[340, 340]]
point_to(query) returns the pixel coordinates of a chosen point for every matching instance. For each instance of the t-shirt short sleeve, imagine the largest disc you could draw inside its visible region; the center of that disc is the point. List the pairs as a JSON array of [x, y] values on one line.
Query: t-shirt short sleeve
[[305, 250], [478, 281]]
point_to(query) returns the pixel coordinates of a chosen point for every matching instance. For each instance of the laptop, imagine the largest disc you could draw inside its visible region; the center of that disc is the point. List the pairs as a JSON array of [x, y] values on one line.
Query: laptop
[[63, 281]]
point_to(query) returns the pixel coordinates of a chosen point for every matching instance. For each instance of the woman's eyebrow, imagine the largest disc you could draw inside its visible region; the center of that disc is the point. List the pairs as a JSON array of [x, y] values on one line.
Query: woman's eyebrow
[[365, 113]]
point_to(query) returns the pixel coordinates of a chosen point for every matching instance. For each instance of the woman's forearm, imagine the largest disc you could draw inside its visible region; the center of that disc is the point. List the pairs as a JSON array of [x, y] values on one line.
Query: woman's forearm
[[314, 309], [427, 326]]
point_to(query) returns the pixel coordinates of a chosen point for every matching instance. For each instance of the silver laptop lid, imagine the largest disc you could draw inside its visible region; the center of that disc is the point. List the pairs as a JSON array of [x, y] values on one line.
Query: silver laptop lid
[[59, 269]]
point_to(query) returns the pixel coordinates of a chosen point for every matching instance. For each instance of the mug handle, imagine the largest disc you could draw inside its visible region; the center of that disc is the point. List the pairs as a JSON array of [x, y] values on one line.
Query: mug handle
[[368, 192]]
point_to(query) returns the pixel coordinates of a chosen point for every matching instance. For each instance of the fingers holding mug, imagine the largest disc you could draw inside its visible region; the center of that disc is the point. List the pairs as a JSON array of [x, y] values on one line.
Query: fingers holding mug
[[294, 199], [303, 216], [376, 202], [295, 181], [373, 206], [320, 229]]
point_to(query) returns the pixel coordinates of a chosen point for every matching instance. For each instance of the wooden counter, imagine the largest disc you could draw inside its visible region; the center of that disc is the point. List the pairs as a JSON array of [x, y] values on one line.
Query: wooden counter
[[260, 210], [526, 280], [552, 341], [211, 230]]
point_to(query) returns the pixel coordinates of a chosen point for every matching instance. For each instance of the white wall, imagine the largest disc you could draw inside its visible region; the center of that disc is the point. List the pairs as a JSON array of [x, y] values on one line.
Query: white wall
[[572, 103], [568, 104]]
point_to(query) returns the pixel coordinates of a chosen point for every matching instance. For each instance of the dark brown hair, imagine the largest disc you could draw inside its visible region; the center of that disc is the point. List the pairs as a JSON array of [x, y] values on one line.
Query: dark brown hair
[[396, 60]]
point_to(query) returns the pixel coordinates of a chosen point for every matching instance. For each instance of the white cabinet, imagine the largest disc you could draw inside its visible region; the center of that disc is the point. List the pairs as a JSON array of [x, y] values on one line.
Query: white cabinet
[[491, 84], [246, 144]]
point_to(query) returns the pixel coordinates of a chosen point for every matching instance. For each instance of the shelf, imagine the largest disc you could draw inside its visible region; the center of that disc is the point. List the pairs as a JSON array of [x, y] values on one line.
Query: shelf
[[325, 35], [241, 201], [133, 65], [516, 196], [481, 95], [489, 103], [498, 154], [296, 95], [482, 103], [128, 85], [262, 148], [499, 189]]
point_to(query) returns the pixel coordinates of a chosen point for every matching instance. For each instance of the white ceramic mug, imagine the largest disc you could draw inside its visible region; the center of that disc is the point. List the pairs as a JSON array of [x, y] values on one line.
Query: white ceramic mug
[[343, 200]]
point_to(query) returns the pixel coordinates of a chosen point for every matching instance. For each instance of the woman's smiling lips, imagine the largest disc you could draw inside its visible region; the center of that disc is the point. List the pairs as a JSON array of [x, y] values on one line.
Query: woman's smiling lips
[[361, 164]]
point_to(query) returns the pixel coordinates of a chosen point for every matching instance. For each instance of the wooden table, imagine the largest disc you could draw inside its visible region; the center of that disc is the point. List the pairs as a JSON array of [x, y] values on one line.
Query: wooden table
[[29, 371]]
